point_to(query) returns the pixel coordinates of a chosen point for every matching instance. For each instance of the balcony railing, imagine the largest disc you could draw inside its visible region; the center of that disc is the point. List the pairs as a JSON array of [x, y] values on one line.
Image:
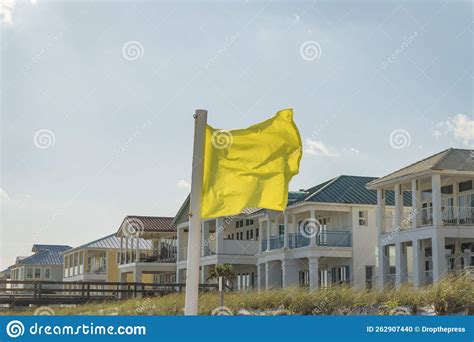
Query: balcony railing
[[297, 240], [449, 215], [167, 255], [234, 247], [466, 215], [97, 270], [276, 242], [334, 238], [331, 238]]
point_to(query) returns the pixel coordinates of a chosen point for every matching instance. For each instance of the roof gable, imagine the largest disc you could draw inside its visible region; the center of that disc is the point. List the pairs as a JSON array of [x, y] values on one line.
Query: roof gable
[[450, 159], [140, 224], [183, 213]]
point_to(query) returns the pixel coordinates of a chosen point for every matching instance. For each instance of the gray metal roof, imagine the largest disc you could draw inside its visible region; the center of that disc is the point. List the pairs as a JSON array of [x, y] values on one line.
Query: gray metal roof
[[451, 159], [350, 190], [40, 247], [142, 224], [110, 242], [45, 255]]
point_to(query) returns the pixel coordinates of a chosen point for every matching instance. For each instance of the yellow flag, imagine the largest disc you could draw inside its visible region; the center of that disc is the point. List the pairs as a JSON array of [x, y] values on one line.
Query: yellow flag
[[250, 168]]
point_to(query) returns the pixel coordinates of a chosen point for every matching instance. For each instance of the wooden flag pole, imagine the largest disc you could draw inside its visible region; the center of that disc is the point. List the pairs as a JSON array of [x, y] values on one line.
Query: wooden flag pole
[[194, 237]]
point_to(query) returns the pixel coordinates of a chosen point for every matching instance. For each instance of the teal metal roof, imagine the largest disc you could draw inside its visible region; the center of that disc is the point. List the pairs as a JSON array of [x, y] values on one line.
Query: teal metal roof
[[350, 190]]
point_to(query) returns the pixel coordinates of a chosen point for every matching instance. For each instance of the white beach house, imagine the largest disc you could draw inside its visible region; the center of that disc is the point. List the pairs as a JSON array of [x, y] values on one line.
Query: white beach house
[[325, 236], [436, 235]]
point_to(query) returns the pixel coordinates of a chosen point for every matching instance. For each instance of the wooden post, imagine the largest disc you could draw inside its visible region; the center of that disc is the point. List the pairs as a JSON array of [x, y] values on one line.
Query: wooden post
[[194, 240]]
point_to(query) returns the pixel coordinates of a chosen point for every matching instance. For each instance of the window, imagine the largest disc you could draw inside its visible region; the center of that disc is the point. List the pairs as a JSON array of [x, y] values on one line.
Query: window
[[251, 234], [37, 273], [281, 229], [47, 273], [239, 224], [256, 233], [465, 186], [248, 234], [363, 218], [248, 222], [29, 273]]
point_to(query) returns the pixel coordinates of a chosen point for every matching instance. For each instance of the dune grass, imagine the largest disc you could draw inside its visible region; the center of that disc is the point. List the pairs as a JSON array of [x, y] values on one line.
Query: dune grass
[[451, 295]]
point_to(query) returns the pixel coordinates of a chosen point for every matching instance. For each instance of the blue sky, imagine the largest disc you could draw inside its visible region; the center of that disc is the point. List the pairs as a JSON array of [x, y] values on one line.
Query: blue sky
[[97, 98]]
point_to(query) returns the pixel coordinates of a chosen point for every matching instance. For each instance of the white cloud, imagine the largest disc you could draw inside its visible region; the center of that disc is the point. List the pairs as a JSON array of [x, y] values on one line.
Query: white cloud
[[460, 126], [318, 148], [353, 149], [183, 184], [3, 195]]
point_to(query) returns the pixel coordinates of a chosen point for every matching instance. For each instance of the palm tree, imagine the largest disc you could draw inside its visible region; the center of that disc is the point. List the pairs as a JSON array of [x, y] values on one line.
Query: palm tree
[[225, 271]]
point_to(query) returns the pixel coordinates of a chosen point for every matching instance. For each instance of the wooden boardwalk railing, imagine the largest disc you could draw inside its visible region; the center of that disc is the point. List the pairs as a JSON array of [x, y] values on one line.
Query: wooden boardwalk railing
[[21, 293]]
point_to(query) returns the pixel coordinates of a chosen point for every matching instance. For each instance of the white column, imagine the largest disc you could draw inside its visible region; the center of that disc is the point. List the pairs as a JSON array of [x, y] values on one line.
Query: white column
[[456, 201], [121, 250], [204, 237], [137, 249], [290, 272], [440, 264], [259, 277], [269, 229], [457, 255], [436, 198], [260, 236], [398, 206], [137, 276], [204, 274], [380, 212], [384, 265], [285, 236], [418, 263], [267, 275], [180, 276], [313, 223], [380, 225], [313, 267], [466, 255], [415, 203], [401, 273], [294, 223], [219, 235], [180, 244], [126, 250]]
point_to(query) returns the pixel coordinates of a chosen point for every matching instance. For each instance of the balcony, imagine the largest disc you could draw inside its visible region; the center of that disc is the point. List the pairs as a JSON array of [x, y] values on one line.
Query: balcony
[[276, 242], [329, 238], [297, 241], [166, 255], [234, 247], [334, 238], [240, 247], [450, 215]]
